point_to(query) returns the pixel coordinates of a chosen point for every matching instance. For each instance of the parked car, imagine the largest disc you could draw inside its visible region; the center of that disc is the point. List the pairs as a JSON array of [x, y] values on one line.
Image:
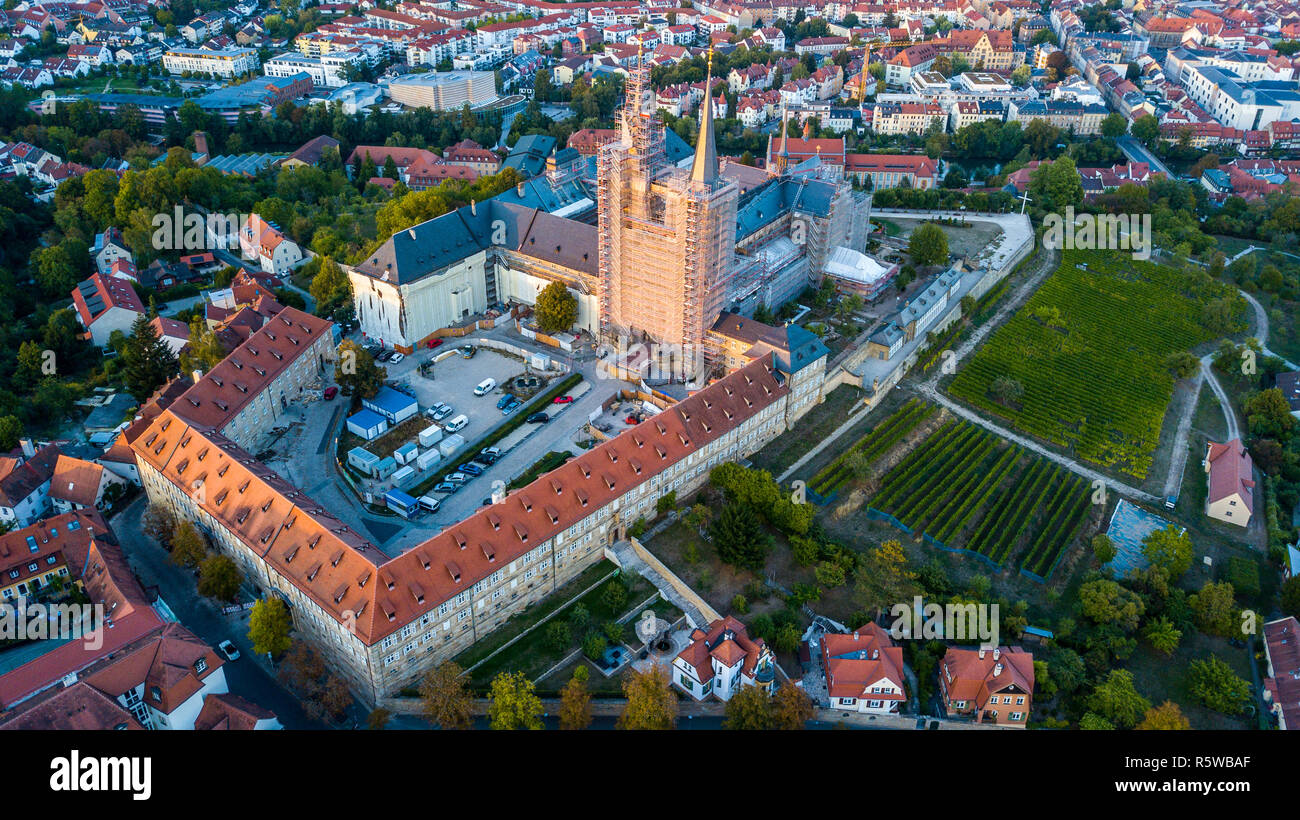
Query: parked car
[[489, 454], [514, 405], [458, 478], [396, 357], [562, 399], [487, 502], [331, 392], [432, 343], [484, 387], [456, 424], [385, 355], [438, 411], [471, 468], [467, 351], [506, 399], [228, 649], [446, 488], [538, 418]]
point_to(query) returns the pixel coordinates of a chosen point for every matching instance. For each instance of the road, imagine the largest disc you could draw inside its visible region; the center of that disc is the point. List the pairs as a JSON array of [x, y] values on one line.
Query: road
[[246, 676], [1207, 372], [1182, 438], [1261, 330]]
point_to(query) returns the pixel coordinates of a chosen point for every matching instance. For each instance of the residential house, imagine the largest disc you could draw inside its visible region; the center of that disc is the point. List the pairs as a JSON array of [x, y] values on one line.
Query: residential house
[[864, 671], [722, 659], [1231, 493], [990, 685]]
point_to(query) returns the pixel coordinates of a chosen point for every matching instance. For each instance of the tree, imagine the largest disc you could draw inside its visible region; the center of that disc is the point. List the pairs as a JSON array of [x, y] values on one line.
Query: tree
[[1116, 700], [1214, 611], [332, 290], [1165, 717], [1213, 683], [556, 309], [1146, 129], [147, 361], [1268, 415], [1103, 549], [739, 537], [791, 708], [651, 703], [558, 635], [575, 701], [883, 577], [356, 371], [513, 703], [378, 718], [204, 350], [11, 430], [158, 523], [1291, 596], [1105, 602], [1169, 548], [1163, 635], [219, 578], [928, 245], [446, 698], [1093, 722], [268, 627], [748, 709], [335, 697], [1055, 185], [189, 547], [1114, 125]]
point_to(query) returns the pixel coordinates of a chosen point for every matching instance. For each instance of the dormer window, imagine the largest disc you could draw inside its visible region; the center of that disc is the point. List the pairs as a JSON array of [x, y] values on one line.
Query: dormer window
[[335, 558], [363, 579], [489, 551]]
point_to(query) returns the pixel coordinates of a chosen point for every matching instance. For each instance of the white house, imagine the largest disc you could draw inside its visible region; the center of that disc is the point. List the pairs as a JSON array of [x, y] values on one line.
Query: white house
[[721, 660], [263, 242], [864, 671]]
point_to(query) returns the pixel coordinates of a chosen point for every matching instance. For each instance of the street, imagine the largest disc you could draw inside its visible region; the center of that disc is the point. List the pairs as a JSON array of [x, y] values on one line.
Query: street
[[246, 677]]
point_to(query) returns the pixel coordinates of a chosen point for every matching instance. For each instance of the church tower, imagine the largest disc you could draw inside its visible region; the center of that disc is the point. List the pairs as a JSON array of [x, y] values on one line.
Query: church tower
[[666, 236]]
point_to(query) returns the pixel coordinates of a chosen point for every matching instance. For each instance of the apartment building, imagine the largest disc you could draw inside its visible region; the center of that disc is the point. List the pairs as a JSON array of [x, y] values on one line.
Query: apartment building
[[892, 170], [1081, 119], [445, 90], [382, 622], [326, 71], [907, 118], [226, 62]]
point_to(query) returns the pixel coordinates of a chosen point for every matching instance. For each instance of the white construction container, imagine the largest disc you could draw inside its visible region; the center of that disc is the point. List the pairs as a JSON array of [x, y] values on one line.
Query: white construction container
[[450, 445], [403, 477], [428, 458], [430, 436]]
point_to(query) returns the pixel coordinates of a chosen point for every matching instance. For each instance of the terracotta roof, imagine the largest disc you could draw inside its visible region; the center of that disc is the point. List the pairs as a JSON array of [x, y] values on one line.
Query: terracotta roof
[[96, 295], [240, 377], [171, 665], [856, 662], [26, 478], [1282, 639], [974, 678], [230, 712], [1231, 473], [79, 707], [727, 640], [76, 481], [343, 572]]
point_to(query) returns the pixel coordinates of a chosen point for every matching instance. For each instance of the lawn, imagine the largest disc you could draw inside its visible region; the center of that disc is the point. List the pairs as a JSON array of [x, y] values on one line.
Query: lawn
[[533, 654], [810, 430], [1083, 364]]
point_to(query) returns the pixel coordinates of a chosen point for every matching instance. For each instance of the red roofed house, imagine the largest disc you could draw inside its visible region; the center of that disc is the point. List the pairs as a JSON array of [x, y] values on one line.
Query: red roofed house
[[864, 671], [104, 304], [1231, 493], [995, 685], [263, 242], [1282, 686], [78, 484], [721, 660]]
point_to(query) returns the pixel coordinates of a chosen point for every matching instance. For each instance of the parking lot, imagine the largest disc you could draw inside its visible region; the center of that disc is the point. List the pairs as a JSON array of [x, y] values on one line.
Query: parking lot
[[453, 382]]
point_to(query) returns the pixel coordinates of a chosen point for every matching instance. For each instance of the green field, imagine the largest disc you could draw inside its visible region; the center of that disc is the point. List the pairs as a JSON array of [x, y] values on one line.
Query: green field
[[968, 489], [874, 444], [1089, 354]]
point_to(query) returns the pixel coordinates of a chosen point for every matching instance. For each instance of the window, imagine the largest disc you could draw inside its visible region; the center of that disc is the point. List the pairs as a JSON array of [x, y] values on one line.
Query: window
[[1016, 715], [200, 665]]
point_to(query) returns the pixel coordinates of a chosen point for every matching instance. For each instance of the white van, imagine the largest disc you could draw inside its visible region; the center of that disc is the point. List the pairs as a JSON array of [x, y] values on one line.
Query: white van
[[428, 502], [484, 387], [456, 423]]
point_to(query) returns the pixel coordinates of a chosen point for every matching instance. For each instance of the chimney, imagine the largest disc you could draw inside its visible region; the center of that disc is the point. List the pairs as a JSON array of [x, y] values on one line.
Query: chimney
[[201, 143], [997, 653], [473, 208], [29, 447], [997, 669], [520, 190], [197, 375], [855, 636], [981, 653]]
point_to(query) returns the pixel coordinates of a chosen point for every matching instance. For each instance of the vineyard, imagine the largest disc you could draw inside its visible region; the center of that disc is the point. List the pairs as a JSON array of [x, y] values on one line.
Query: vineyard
[[967, 489], [874, 444], [1083, 363]]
